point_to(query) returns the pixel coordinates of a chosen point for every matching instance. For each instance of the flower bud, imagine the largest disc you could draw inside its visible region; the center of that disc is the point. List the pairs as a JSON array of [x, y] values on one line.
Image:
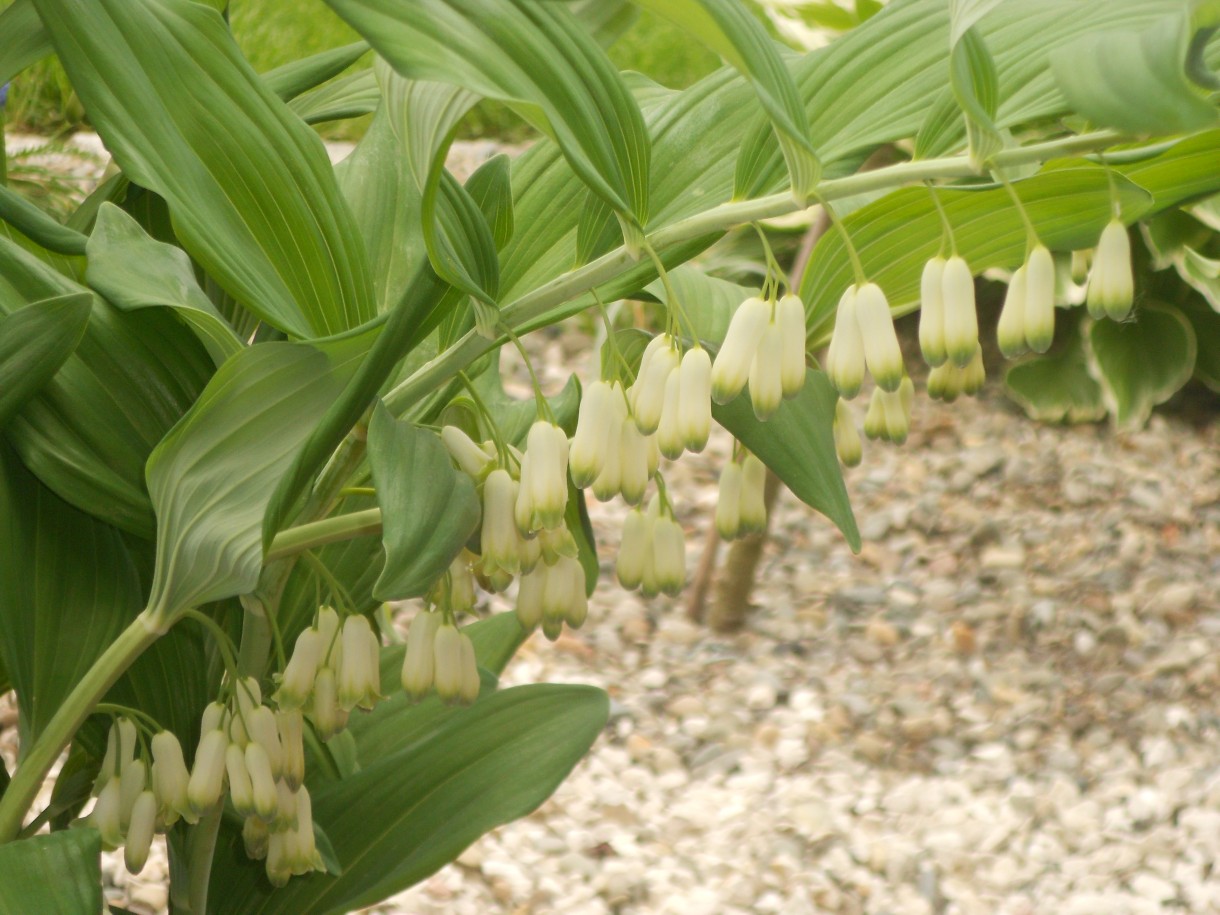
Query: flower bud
[[610, 481], [1111, 284], [297, 680], [1040, 300], [766, 373], [882, 353], [278, 870], [845, 356], [286, 807], [262, 781], [255, 835], [120, 749], [564, 589], [105, 815], [291, 728], [328, 628], [1010, 331], [469, 690], [303, 851], [695, 399], [461, 594], [529, 596], [1080, 267], [790, 317], [241, 792], [648, 392], [417, 662], [499, 539], [358, 677], [447, 654], [215, 717], [249, 696], [945, 382], [932, 313], [588, 450], [898, 411], [961, 319], [636, 543], [847, 438], [731, 368], [471, 458], [669, 545], [208, 774], [170, 778], [670, 439], [543, 494], [753, 500], [974, 374], [140, 832], [132, 780], [633, 463], [728, 502], [328, 716]]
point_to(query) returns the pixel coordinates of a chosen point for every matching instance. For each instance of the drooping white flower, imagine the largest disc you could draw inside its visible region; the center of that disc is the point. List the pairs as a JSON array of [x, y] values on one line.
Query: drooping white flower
[[766, 373], [1040, 300], [262, 782], [499, 538], [845, 363], [291, 729], [543, 494], [753, 501], [563, 596], [470, 457], [140, 831], [974, 374], [328, 716], [728, 502], [609, 481], [208, 773], [932, 313], [648, 393], [454, 660], [263, 731], [669, 565], [241, 792], [588, 450], [790, 316], [297, 680], [847, 437], [170, 778], [1111, 283], [417, 663], [358, 677], [889, 413], [635, 546], [132, 780], [105, 815], [882, 353], [695, 398], [633, 463], [1010, 331], [469, 690], [328, 628], [255, 836], [670, 439], [731, 367], [961, 319]]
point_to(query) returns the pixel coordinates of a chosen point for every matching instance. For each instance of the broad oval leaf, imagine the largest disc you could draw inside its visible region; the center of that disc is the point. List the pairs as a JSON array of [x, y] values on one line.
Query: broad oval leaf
[[34, 342], [250, 187], [475, 769], [428, 509], [60, 872], [1057, 387]]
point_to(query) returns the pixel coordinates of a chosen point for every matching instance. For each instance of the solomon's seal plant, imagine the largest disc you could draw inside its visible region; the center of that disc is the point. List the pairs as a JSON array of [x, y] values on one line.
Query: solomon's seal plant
[[247, 397]]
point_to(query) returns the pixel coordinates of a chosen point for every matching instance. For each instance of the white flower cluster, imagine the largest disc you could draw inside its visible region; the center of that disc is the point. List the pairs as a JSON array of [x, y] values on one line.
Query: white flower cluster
[[764, 346], [652, 555], [740, 506]]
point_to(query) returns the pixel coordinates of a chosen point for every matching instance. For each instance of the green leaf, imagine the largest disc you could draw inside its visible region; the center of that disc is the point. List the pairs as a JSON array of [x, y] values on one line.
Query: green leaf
[[34, 342], [1142, 363], [89, 431], [1206, 324], [708, 301], [134, 271], [429, 509], [534, 55], [973, 77], [797, 443], [69, 588], [250, 187], [896, 235], [1135, 80], [496, 639], [1203, 274], [963, 14], [25, 40], [491, 189], [347, 97], [514, 417], [213, 475], [297, 76], [37, 225], [61, 872], [1057, 387], [473, 770], [730, 29]]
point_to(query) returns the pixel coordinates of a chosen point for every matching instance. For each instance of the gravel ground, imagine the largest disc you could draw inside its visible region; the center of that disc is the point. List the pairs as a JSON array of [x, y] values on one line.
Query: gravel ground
[[1006, 703]]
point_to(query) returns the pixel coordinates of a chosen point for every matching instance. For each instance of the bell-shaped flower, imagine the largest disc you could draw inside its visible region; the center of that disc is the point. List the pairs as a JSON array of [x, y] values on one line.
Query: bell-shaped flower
[[263, 730], [328, 716], [208, 773], [633, 463], [215, 715], [635, 546], [670, 439], [1010, 330], [766, 373], [588, 449], [140, 831], [695, 399], [255, 836], [961, 319], [418, 666], [120, 750], [847, 438], [278, 870], [170, 778], [753, 501], [291, 728], [543, 494], [452, 662], [469, 690], [790, 317], [328, 628], [241, 792], [529, 596], [881, 350], [296, 683], [889, 413], [472, 458], [105, 815], [932, 313], [132, 780], [1040, 299], [1111, 283], [648, 392], [499, 538], [845, 363], [974, 374], [728, 502], [461, 583], [1080, 267], [609, 482], [301, 849], [563, 596], [262, 781], [286, 807], [359, 675], [669, 550], [731, 367]]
